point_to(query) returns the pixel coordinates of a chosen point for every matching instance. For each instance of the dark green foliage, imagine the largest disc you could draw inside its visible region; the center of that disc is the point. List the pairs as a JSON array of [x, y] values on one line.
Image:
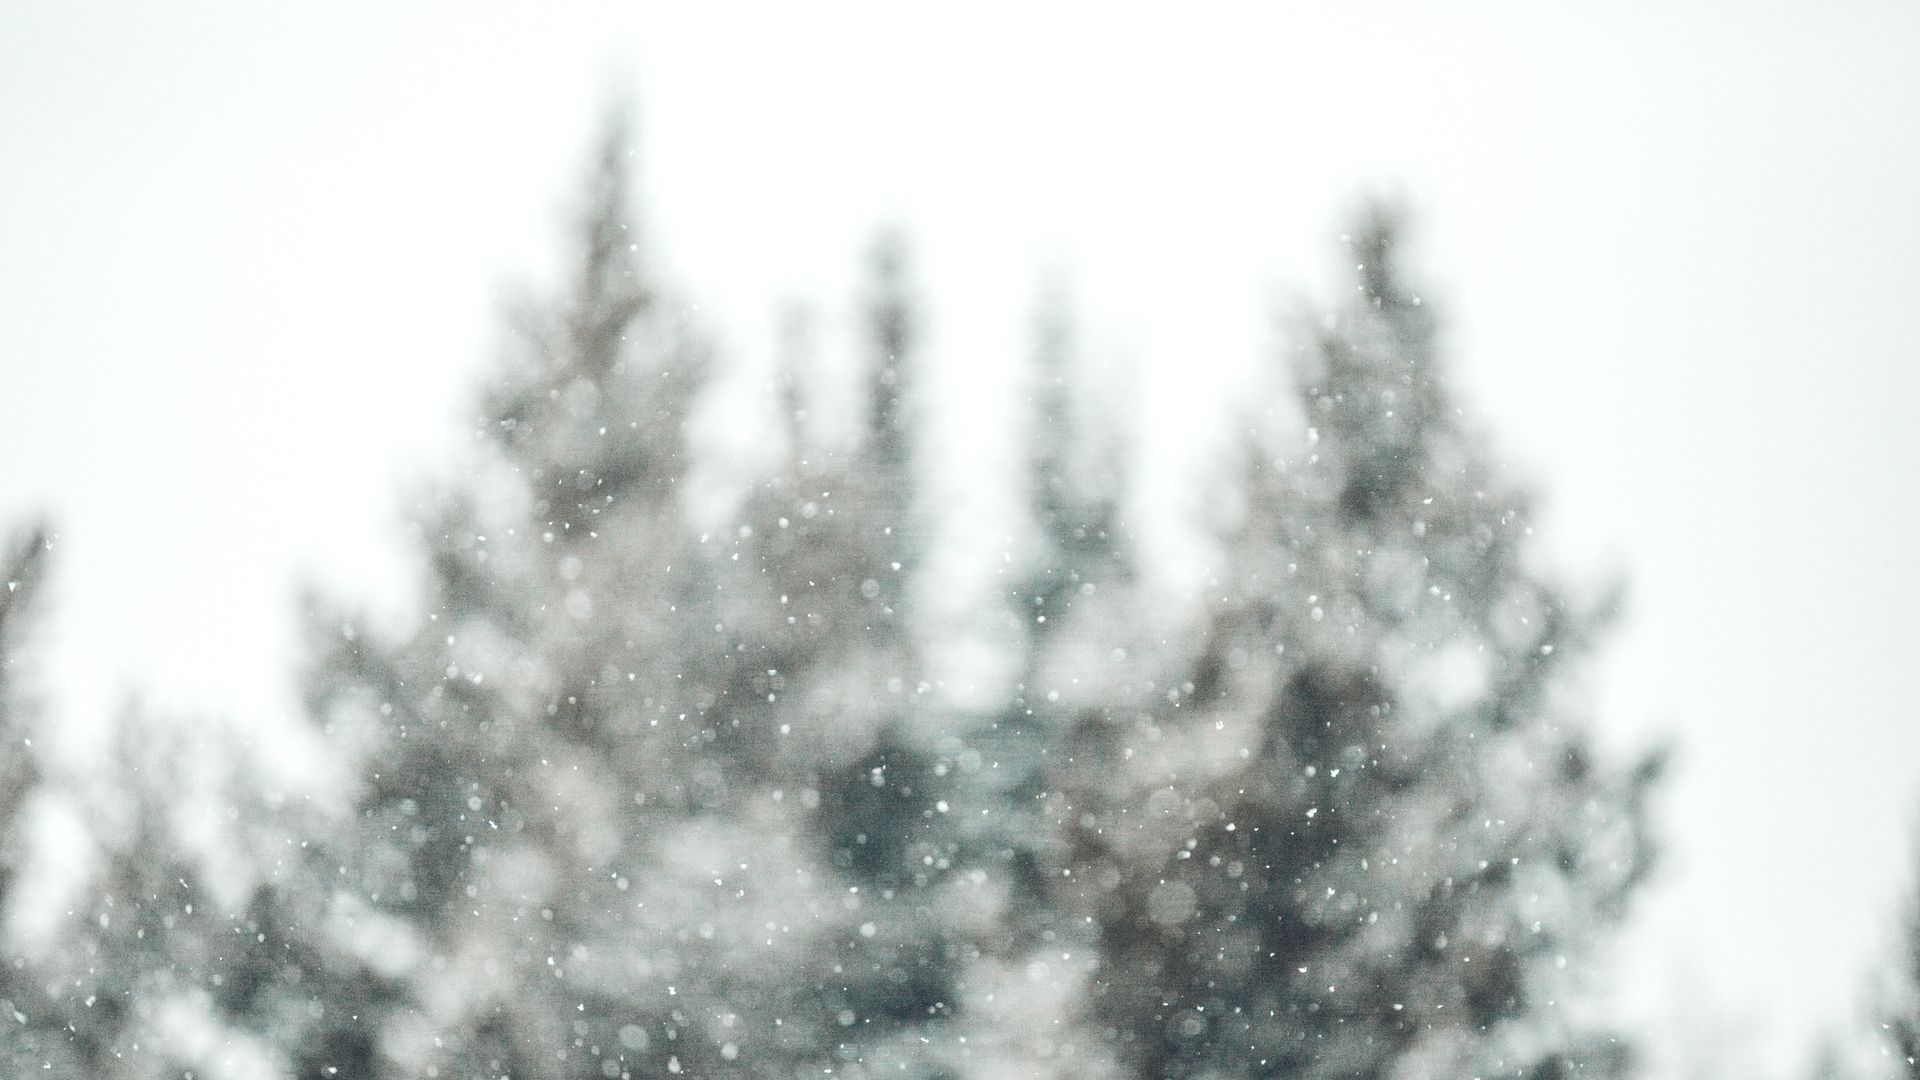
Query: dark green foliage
[[644, 794], [1899, 1007], [20, 572], [150, 971], [549, 752], [592, 775], [1367, 833], [35, 1032]]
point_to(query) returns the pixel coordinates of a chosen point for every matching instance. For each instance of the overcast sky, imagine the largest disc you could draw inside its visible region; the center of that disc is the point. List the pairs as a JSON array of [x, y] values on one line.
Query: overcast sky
[[250, 264]]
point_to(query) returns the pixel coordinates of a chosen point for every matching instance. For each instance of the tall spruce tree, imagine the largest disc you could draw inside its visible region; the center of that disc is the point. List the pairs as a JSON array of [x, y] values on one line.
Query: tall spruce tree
[[1900, 1000], [1894, 1015], [885, 786], [33, 1018], [1073, 595], [1072, 602], [20, 571], [593, 773], [154, 969], [175, 958], [1366, 834], [81, 999]]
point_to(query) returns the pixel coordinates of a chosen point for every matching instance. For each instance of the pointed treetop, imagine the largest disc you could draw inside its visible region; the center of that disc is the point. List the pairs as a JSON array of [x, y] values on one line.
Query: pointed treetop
[[21, 565], [1369, 384], [1052, 417], [796, 354], [611, 288], [890, 320], [1375, 242], [20, 570]]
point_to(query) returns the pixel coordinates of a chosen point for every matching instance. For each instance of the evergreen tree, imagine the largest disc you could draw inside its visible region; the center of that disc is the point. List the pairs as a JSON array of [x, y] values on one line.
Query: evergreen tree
[[20, 572], [1075, 485], [847, 569], [1366, 835], [1900, 1006], [36, 1035], [157, 968], [1073, 599], [148, 973], [1894, 1017], [585, 788]]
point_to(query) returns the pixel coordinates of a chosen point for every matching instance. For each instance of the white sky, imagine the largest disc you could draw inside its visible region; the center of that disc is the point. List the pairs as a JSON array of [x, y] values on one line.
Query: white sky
[[250, 263]]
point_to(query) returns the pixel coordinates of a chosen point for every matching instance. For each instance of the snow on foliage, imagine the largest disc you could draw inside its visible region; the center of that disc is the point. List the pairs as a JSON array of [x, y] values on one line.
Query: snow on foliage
[[637, 795]]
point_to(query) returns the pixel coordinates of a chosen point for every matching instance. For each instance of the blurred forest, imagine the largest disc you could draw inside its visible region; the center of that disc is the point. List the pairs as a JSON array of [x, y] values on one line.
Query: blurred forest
[[641, 797]]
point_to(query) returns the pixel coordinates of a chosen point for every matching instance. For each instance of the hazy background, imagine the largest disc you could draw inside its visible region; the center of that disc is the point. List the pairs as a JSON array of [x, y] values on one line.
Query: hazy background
[[250, 262]]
